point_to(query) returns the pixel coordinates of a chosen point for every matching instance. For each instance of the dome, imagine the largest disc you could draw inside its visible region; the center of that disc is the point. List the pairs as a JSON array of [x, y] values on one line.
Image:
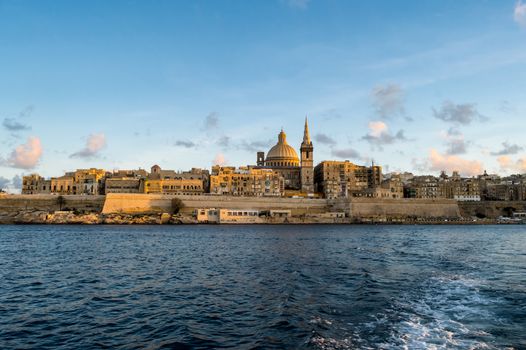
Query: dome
[[282, 154]]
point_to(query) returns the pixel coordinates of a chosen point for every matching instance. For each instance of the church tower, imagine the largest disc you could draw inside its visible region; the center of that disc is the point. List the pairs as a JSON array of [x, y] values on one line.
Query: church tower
[[307, 168]]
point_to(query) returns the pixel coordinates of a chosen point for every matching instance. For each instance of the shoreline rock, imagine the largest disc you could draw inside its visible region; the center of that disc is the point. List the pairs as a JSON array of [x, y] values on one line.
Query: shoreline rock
[[93, 218]]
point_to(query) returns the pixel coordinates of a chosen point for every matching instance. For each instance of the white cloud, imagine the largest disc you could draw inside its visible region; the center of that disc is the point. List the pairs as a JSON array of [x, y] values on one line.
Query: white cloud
[[508, 165], [185, 144], [254, 145], [219, 159], [211, 122], [377, 128], [26, 156], [463, 114], [379, 134], [346, 153], [4, 183], [16, 182], [324, 139], [507, 148], [455, 142], [519, 13], [14, 125], [388, 100], [94, 144], [450, 163]]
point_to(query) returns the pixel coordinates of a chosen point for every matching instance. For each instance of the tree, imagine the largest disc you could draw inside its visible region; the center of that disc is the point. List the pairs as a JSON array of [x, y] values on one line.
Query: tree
[[60, 202], [508, 211], [177, 205]]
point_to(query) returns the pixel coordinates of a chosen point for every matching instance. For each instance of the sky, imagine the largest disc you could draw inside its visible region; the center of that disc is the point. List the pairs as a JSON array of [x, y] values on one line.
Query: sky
[[419, 86]]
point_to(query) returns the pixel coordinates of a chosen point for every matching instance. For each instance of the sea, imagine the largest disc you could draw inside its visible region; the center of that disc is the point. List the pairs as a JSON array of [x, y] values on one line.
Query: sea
[[263, 287]]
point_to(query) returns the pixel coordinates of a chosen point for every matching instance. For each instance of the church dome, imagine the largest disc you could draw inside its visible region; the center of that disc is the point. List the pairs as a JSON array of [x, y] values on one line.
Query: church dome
[[282, 154]]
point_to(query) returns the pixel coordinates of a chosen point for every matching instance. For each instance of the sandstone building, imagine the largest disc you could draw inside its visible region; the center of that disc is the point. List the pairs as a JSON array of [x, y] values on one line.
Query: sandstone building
[[35, 184], [201, 175], [89, 181], [63, 184], [343, 179], [246, 181], [97, 181], [82, 181], [444, 186], [126, 181]]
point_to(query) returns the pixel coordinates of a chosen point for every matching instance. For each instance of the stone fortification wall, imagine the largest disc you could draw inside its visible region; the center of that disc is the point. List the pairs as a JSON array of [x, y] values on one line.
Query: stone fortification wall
[[15, 207], [137, 203], [491, 209], [403, 208], [29, 208], [48, 202], [356, 207]]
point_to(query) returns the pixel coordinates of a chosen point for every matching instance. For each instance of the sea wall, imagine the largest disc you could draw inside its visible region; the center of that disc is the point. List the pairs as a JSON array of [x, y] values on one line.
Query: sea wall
[[116, 208], [146, 203], [20, 208], [376, 208], [491, 209], [355, 208], [50, 202]]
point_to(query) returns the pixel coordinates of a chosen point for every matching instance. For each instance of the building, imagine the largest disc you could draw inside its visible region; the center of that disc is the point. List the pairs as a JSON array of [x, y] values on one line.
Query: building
[[444, 186], [343, 179], [82, 181], [246, 181], [139, 173], [458, 188], [35, 184], [424, 187], [307, 163], [126, 181], [173, 186], [192, 182], [63, 185], [239, 216], [392, 187], [207, 215], [283, 159], [124, 185], [89, 181], [202, 175], [510, 188]]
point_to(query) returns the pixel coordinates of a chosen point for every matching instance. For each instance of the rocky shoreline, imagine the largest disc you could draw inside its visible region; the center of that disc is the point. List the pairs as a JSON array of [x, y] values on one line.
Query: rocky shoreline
[[153, 210], [72, 218]]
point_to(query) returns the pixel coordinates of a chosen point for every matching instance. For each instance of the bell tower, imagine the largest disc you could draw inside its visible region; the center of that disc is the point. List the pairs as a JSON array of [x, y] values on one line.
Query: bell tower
[[260, 159], [307, 168]]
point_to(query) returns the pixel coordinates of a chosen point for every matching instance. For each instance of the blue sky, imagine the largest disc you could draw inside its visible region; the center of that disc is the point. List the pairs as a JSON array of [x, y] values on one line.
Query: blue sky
[[413, 85]]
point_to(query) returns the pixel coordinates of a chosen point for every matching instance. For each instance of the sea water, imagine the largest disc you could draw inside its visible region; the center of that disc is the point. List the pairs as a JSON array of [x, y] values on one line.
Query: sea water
[[307, 287]]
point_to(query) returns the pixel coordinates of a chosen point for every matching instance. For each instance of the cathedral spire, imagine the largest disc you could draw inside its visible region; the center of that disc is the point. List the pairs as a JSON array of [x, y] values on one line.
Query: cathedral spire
[[307, 164], [306, 136]]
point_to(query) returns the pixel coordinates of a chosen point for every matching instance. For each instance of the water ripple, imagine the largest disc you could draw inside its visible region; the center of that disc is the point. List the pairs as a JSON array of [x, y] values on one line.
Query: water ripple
[[262, 287]]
